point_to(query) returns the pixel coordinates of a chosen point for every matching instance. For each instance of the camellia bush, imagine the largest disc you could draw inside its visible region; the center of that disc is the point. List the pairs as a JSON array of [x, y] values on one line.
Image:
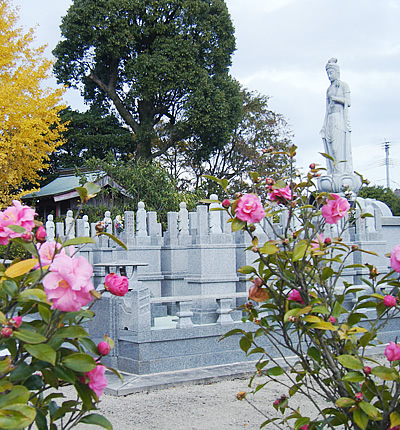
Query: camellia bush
[[301, 307], [44, 302]]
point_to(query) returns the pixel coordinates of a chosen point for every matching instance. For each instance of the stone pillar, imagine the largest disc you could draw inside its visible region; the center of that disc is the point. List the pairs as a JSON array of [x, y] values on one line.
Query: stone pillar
[[214, 216], [129, 217], [183, 220]]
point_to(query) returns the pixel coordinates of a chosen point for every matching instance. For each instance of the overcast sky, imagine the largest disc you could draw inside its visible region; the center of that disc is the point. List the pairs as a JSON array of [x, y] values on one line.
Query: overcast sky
[[282, 49]]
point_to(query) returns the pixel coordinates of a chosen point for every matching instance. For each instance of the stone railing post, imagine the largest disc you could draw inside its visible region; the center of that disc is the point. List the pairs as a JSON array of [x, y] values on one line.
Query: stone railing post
[[184, 314], [224, 311]]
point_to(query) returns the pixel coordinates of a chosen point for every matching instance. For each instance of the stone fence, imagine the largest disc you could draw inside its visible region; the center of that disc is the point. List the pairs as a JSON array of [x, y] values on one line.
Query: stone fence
[[184, 283]]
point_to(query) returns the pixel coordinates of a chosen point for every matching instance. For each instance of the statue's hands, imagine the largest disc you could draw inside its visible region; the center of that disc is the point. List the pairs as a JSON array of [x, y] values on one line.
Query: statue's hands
[[338, 100]]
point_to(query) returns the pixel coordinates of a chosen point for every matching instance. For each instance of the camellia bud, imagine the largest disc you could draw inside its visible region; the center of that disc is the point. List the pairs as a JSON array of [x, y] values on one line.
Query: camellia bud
[[226, 203], [389, 301], [249, 305], [332, 319], [104, 348], [292, 318], [285, 241], [328, 241], [269, 181], [312, 166], [238, 195], [241, 395], [367, 370], [27, 237], [257, 282], [252, 228], [6, 331], [358, 397], [41, 234], [15, 322], [354, 247], [255, 249]]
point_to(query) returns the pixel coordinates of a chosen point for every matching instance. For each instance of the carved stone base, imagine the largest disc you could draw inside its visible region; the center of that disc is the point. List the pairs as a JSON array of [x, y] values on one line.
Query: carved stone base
[[339, 183]]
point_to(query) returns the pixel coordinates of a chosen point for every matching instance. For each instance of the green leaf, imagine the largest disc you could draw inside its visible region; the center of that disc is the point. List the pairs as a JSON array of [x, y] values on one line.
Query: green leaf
[[42, 352], [64, 374], [269, 248], [300, 250], [34, 294], [353, 377], [79, 362], [246, 270], [237, 224], [78, 241], [350, 362], [394, 419], [345, 402], [385, 373], [360, 418], [327, 272], [97, 420], [370, 410], [275, 371], [324, 325], [17, 228], [115, 239], [18, 394], [21, 372], [82, 193], [16, 416], [92, 189], [300, 422], [329, 157], [30, 337], [72, 332], [314, 353]]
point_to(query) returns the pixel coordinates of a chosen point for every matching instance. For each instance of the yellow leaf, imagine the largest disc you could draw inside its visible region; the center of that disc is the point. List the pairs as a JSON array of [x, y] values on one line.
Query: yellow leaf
[[355, 330], [20, 268], [312, 319]]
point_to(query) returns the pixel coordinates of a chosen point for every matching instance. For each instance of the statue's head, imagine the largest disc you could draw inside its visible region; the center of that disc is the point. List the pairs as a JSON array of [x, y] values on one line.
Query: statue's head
[[332, 69], [70, 214]]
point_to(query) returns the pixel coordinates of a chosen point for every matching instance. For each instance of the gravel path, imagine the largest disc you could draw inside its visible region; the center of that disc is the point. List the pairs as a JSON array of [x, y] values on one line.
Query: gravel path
[[193, 407]]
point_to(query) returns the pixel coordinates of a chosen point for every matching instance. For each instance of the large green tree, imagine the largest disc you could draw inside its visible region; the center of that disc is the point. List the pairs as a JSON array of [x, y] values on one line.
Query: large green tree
[[157, 65], [256, 144]]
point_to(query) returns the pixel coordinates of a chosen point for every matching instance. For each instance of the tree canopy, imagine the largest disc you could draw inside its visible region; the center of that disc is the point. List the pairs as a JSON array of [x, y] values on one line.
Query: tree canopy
[[160, 65], [89, 134], [256, 144], [385, 195], [29, 122]]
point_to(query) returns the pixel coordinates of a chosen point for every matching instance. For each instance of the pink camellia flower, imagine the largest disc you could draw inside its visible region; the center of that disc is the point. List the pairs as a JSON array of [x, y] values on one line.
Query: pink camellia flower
[[41, 234], [367, 370], [395, 258], [116, 284], [249, 208], [68, 284], [97, 380], [104, 348], [296, 297], [389, 301], [306, 427], [317, 243], [392, 351], [281, 194], [335, 208], [47, 251], [394, 428], [15, 321], [19, 215]]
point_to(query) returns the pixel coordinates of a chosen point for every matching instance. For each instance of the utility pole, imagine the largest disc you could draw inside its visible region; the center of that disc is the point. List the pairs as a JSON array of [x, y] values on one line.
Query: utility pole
[[386, 146]]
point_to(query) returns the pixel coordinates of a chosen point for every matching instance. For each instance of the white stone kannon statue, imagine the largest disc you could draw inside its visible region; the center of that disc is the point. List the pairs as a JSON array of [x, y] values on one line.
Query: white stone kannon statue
[[336, 135]]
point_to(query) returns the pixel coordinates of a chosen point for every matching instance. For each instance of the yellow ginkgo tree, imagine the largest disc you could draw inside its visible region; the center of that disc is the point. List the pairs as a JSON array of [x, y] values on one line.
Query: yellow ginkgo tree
[[29, 123]]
